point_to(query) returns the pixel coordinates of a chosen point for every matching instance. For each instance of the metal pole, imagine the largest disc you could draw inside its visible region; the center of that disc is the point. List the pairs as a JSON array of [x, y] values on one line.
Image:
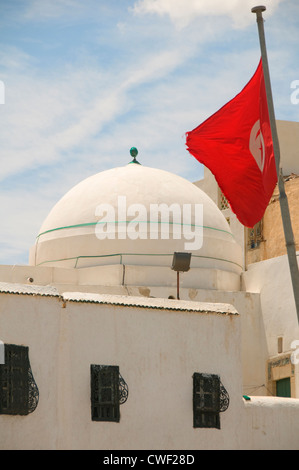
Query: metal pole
[[178, 285], [284, 206]]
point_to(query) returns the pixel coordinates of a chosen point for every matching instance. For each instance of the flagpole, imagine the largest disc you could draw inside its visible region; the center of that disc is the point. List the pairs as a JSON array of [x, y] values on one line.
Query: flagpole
[[284, 206]]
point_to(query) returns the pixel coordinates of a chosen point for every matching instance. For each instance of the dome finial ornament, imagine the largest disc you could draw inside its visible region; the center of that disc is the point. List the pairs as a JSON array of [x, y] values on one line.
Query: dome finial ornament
[[134, 153]]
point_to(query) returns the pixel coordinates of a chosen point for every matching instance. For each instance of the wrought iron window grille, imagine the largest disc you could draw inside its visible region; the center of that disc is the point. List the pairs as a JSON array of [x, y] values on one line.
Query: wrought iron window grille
[[223, 202], [108, 391], [19, 394], [210, 398]]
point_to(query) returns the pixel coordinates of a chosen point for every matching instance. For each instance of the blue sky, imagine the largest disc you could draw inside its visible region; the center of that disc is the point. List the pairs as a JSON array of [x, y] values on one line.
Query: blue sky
[[86, 81]]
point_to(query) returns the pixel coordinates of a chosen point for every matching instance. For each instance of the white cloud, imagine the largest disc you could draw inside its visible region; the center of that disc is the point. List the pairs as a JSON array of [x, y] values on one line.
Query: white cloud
[[46, 116], [152, 84], [182, 12]]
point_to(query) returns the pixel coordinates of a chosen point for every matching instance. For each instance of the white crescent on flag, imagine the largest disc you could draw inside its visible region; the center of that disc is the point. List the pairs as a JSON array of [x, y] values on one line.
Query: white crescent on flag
[[257, 145]]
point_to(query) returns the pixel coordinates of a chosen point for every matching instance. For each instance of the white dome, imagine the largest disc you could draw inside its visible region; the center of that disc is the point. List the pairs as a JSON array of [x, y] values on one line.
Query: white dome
[[69, 237]]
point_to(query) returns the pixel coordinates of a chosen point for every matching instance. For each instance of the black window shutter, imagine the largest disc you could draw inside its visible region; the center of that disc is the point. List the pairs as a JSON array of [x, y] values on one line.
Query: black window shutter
[[14, 384], [206, 400], [105, 393]]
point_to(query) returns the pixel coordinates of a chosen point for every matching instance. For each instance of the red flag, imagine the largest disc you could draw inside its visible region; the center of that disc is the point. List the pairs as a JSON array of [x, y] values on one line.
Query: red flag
[[235, 143]]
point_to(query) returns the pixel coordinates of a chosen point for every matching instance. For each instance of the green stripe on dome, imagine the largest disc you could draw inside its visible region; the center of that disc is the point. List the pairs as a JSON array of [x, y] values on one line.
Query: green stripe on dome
[[133, 254], [127, 221]]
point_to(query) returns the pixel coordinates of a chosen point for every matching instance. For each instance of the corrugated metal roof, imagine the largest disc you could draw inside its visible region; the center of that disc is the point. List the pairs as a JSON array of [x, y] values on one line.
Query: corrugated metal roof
[[12, 288], [121, 300]]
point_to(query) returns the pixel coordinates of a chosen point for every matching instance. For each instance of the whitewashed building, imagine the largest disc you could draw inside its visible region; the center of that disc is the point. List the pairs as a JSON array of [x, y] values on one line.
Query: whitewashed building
[[105, 346]]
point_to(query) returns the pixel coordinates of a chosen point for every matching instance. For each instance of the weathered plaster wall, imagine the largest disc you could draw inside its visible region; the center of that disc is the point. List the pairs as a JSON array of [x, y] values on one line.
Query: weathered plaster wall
[[157, 351]]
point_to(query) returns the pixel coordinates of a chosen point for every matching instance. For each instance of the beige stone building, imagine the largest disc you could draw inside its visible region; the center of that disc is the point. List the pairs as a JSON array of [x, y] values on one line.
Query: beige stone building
[[266, 240]]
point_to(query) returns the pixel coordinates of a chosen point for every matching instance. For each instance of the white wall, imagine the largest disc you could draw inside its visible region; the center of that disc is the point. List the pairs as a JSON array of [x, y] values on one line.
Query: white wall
[[271, 279], [209, 185], [288, 134], [157, 351]]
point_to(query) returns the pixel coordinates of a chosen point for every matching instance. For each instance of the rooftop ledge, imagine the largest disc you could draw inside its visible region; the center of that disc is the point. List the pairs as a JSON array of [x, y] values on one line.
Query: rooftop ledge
[[271, 402], [122, 300]]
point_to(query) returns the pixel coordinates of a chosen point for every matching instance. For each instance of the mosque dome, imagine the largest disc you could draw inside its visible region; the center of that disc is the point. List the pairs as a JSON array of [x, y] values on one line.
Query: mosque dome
[[136, 215]]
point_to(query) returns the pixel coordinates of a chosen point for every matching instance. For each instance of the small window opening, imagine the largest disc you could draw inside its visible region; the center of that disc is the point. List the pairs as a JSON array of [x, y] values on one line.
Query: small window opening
[[108, 392], [18, 391], [209, 399], [255, 235], [280, 344]]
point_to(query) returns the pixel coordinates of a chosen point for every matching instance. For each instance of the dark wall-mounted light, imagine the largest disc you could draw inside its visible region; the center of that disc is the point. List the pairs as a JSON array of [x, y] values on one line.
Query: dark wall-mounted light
[[180, 263]]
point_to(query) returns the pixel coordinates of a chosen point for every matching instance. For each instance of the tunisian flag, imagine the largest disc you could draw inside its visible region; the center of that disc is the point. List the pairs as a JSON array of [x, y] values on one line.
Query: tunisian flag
[[235, 143]]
